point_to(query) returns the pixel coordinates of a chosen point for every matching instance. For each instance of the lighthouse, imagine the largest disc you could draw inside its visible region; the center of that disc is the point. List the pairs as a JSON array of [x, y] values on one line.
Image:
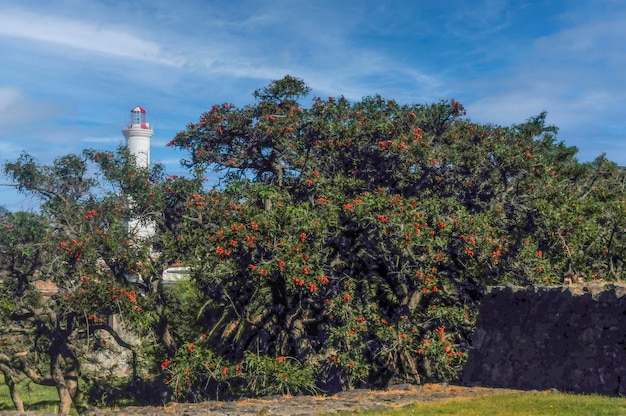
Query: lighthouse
[[138, 134]]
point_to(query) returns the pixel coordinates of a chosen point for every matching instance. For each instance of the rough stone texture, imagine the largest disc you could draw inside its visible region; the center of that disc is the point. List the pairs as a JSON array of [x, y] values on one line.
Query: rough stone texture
[[572, 338]]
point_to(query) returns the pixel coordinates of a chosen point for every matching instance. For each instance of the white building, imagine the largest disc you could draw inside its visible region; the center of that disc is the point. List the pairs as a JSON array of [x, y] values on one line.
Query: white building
[[138, 133]]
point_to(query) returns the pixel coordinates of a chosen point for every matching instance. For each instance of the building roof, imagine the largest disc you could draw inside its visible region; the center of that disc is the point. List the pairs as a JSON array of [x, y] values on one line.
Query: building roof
[[138, 109]]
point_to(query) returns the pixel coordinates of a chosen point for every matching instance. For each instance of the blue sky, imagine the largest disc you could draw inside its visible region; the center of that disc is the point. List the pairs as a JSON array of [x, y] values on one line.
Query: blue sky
[[71, 70]]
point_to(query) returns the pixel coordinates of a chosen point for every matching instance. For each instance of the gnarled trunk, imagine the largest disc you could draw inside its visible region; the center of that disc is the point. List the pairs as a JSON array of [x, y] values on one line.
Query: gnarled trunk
[[63, 389], [10, 382]]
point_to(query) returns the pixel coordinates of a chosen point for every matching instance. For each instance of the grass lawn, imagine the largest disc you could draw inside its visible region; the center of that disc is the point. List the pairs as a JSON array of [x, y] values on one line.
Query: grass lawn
[[36, 398], [525, 404]]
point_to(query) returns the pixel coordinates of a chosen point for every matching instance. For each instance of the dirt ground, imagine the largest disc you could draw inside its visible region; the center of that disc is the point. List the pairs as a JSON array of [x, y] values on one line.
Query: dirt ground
[[312, 405]]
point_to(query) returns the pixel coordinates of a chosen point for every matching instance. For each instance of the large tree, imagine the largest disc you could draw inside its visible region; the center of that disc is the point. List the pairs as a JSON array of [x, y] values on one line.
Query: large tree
[[359, 237], [348, 244]]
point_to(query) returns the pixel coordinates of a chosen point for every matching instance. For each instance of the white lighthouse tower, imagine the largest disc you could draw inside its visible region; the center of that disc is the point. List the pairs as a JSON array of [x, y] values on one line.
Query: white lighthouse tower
[[138, 134]]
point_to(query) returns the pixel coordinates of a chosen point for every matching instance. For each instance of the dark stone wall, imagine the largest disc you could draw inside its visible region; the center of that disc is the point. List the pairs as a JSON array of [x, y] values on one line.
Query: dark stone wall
[[571, 338]]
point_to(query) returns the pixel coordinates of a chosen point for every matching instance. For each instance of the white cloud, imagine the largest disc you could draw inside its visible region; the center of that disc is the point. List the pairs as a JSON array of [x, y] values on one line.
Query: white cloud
[[575, 74], [13, 107], [17, 110], [84, 36], [104, 139]]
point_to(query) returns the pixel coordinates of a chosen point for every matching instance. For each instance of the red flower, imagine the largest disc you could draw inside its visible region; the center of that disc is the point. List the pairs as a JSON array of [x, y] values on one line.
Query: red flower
[[323, 279], [346, 297], [539, 253], [312, 287], [165, 364]]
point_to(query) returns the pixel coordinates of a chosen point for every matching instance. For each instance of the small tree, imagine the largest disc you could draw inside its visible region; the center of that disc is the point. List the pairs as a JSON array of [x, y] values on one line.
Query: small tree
[[81, 244]]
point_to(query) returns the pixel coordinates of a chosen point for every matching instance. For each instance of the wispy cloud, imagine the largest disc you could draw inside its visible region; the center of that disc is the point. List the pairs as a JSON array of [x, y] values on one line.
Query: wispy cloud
[[80, 66], [84, 36], [14, 109], [480, 18], [575, 73], [104, 140]]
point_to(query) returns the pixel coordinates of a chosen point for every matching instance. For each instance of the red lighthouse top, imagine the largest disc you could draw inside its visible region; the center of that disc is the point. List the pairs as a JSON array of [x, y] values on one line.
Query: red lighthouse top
[[138, 116]]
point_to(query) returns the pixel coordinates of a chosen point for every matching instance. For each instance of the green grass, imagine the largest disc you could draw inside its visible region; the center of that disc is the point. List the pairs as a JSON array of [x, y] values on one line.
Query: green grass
[[516, 404], [35, 397]]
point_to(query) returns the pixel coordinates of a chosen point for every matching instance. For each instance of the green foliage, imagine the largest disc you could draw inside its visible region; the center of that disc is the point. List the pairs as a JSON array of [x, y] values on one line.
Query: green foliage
[[350, 244], [82, 245], [360, 237]]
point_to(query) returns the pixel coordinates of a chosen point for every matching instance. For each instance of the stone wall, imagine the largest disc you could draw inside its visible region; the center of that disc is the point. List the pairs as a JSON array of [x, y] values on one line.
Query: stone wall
[[571, 338]]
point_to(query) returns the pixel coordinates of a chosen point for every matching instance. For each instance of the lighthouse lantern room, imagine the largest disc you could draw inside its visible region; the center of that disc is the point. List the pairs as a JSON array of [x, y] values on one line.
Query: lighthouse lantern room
[[138, 134]]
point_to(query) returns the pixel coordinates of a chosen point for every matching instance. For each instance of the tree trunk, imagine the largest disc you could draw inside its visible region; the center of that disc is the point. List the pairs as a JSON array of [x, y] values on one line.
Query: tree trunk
[[76, 394], [65, 399], [162, 326], [10, 382], [65, 396]]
